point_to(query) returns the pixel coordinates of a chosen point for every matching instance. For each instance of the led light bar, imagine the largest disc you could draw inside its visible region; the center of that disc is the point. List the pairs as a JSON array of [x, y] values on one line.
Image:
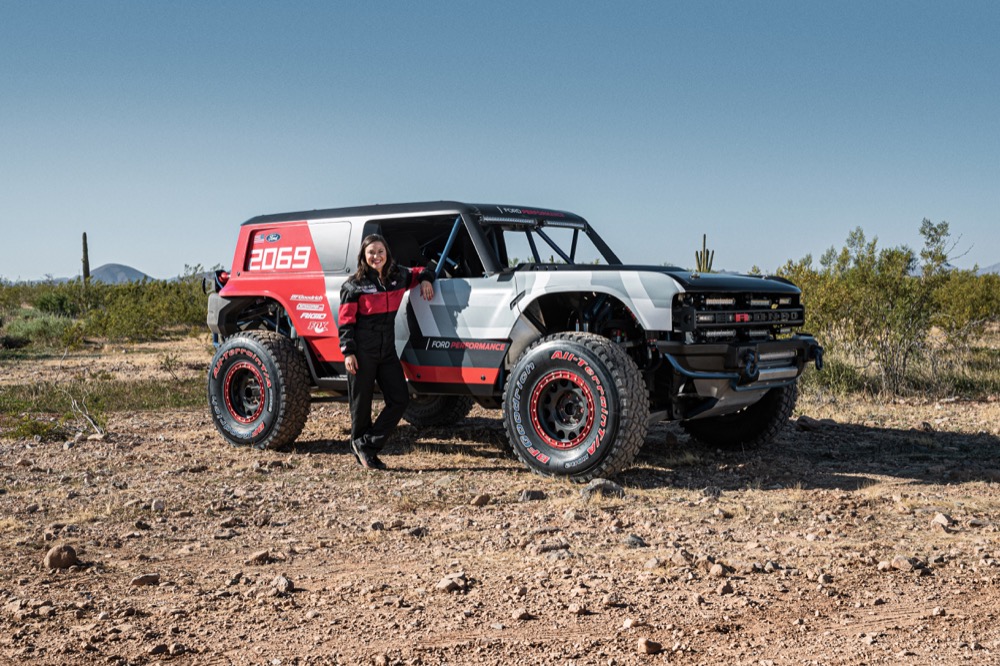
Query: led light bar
[[720, 334], [720, 301], [776, 356], [760, 302]]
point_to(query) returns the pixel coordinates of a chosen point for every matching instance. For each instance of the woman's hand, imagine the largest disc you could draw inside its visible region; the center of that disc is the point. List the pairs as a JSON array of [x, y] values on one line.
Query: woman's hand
[[427, 290], [351, 364]]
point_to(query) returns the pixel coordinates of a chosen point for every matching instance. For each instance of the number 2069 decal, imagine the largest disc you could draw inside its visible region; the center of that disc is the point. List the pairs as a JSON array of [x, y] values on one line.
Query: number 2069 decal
[[279, 258]]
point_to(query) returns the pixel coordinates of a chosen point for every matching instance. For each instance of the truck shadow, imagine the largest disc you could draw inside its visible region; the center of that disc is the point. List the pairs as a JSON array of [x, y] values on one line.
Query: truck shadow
[[834, 456]]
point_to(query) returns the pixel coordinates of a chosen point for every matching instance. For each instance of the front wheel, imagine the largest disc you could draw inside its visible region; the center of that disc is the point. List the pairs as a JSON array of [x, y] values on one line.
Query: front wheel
[[575, 405], [258, 389], [750, 427]]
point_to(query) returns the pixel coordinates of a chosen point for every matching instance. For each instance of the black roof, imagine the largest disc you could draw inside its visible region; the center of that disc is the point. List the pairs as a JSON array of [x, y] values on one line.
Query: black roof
[[488, 210]]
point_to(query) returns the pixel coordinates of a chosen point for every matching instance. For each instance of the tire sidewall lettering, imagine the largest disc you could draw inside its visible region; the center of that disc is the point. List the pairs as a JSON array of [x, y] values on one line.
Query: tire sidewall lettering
[[529, 373], [260, 427]]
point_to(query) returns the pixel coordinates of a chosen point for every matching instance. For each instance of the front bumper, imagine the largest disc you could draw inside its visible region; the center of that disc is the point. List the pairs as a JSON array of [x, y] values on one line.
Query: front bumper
[[748, 366]]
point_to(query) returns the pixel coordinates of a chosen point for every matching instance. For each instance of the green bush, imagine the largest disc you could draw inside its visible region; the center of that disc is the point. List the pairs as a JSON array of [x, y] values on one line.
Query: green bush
[[893, 324], [61, 314], [44, 330]]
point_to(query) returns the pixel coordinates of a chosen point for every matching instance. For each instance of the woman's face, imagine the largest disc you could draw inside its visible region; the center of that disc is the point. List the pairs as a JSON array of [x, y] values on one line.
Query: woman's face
[[375, 256]]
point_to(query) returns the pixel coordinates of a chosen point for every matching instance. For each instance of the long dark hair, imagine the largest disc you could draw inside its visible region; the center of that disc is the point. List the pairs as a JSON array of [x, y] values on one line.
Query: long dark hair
[[390, 263]]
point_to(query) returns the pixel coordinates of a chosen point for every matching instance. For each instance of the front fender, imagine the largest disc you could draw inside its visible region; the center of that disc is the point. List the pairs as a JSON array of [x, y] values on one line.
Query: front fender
[[648, 295]]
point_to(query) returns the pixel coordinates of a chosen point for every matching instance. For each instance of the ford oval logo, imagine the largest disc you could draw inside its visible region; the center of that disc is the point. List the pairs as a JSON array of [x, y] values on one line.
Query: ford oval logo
[[273, 238]]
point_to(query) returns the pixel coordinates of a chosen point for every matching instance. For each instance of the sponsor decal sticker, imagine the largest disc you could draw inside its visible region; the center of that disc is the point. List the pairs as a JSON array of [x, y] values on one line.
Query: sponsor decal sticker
[[312, 307], [308, 298], [314, 315], [319, 327], [467, 345]]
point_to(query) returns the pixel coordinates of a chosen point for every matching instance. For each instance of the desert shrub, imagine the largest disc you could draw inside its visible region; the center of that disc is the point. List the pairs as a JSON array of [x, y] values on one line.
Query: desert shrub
[[891, 318], [150, 309], [37, 328]]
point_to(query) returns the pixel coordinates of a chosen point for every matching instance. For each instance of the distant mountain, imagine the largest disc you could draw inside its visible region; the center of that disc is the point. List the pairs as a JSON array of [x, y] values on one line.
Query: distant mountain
[[995, 268], [117, 274]]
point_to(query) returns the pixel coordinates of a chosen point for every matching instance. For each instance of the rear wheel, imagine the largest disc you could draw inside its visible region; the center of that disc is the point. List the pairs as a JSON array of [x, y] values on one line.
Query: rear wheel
[[437, 410], [575, 405], [258, 389], [750, 427]]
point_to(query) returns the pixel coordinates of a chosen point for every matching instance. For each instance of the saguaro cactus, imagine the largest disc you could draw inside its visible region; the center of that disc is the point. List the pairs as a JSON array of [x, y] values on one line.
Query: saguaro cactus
[[703, 260], [86, 259]]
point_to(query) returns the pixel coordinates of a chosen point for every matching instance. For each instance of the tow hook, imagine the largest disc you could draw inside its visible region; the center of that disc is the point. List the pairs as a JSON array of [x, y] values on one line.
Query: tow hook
[[750, 371], [818, 357]]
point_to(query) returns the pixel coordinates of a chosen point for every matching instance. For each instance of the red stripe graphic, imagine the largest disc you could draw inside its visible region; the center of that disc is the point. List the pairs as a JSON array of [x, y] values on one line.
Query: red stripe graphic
[[444, 375]]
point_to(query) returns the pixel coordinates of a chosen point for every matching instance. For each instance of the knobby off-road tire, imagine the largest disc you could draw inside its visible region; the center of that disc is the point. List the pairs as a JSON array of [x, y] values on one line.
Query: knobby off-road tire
[[575, 405], [750, 427], [437, 410], [258, 390]]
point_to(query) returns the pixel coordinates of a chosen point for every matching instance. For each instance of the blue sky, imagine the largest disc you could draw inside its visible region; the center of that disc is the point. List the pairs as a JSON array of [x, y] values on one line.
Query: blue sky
[[775, 128]]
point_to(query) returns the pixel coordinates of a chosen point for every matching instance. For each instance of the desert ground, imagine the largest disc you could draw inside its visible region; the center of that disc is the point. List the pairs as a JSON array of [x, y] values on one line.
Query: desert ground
[[866, 534]]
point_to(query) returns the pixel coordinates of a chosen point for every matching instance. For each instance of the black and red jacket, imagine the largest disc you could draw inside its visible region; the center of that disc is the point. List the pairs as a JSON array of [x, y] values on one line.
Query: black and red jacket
[[367, 314]]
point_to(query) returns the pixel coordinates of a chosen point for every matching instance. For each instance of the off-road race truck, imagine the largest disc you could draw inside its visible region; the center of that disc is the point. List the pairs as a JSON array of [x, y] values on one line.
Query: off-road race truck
[[533, 313]]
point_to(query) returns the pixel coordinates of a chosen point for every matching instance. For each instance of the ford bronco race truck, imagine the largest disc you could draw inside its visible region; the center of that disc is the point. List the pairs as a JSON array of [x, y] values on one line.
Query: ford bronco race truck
[[533, 314]]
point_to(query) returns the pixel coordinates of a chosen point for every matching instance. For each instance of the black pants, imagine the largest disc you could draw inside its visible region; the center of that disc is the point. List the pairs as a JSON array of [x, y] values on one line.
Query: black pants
[[387, 371]]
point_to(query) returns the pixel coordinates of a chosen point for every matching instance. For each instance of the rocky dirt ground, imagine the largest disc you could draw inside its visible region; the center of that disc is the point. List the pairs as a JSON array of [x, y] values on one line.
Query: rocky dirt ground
[[866, 534]]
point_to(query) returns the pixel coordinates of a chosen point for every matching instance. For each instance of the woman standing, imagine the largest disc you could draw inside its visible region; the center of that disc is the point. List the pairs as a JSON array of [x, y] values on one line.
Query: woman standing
[[369, 301]]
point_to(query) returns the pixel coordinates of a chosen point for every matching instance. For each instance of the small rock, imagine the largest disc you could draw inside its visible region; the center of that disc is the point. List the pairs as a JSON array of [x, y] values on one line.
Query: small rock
[[160, 648], [260, 557], [520, 615], [635, 541], [176, 649], [807, 423], [697, 599], [146, 579], [417, 532], [938, 612], [453, 582], [924, 426], [632, 622], [283, 585], [647, 646], [725, 588], [610, 600], [884, 565], [905, 563], [60, 557], [573, 514], [576, 609], [825, 579], [531, 495], [712, 492], [717, 571], [481, 500], [377, 526], [943, 519], [652, 563], [604, 487], [158, 506]]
